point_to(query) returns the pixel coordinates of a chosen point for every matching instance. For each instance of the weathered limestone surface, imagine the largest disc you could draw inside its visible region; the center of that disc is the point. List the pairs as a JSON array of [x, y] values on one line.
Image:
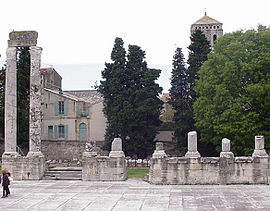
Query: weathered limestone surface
[[159, 152], [259, 147], [35, 101], [105, 168], [117, 148], [225, 169], [32, 166], [11, 102], [22, 38], [192, 145], [24, 168], [226, 149]]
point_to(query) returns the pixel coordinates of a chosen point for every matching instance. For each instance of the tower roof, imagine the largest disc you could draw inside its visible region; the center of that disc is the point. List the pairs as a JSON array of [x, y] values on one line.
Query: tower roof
[[206, 20]]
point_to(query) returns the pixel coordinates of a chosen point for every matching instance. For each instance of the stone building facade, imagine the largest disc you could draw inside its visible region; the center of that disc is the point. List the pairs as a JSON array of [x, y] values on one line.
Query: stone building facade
[[69, 120], [50, 78], [210, 27]]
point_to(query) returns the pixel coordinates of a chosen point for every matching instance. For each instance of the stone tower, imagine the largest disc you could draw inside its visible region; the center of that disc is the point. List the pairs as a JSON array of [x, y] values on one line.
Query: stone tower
[[210, 27]]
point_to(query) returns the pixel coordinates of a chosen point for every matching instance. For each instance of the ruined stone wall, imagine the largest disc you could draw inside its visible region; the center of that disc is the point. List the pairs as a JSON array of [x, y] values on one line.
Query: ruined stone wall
[[210, 170], [62, 150], [105, 168], [226, 169], [25, 168]]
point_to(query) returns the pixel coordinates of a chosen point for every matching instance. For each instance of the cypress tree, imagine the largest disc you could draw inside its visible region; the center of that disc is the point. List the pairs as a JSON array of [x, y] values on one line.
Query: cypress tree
[[131, 103], [112, 89], [180, 99], [143, 103]]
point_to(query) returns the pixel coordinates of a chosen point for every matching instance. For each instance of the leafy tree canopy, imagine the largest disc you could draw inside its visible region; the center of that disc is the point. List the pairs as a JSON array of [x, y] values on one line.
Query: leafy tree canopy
[[234, 91]]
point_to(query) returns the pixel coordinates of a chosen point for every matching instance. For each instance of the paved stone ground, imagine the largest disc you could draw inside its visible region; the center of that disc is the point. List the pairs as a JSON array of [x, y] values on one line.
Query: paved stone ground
[[133, 194]]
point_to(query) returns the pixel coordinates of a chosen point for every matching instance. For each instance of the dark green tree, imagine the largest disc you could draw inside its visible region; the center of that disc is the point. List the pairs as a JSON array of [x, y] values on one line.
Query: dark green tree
[[234, 91], [23, 84], [198, 51], [180, 99], [144, 105], [131, 103]]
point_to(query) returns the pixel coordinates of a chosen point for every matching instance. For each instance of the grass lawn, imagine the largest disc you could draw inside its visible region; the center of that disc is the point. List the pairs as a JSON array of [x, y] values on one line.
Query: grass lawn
[[137, 172]]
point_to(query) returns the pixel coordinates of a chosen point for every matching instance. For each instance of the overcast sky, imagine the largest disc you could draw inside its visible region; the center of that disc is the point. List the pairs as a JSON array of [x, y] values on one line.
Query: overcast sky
[[82, 32]]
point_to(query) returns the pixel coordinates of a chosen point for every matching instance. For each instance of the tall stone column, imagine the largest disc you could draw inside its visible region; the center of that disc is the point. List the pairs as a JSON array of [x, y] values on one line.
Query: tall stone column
[[35, 103], [11, 102]]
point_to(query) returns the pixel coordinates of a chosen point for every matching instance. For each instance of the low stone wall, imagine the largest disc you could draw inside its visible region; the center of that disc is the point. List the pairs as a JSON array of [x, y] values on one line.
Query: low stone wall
[[31, 167], [226, 169], [105, 168], [209, 170]]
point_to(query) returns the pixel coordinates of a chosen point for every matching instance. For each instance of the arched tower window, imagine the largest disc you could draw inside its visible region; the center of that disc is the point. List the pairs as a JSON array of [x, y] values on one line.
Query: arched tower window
[[83, 132], [214, 37]]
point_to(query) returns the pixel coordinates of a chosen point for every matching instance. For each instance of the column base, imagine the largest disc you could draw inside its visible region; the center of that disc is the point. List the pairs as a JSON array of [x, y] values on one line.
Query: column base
[[35, 154], [159, 154], [116, 154], [259, 153], [10, 155], [193, 154], [226, 155]]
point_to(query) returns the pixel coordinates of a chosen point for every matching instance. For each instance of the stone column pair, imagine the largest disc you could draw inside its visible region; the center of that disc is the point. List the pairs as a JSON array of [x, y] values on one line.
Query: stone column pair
[[11, 103]]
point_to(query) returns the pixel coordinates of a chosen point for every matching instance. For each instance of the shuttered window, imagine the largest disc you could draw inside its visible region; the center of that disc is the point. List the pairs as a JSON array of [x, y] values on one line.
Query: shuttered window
[[61, 107]]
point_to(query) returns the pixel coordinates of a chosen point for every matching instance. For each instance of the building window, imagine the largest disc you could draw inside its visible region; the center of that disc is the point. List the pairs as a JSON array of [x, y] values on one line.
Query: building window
[[61, 107], [218, 27], [214, 37], [83, 131], [61, 131], [50, 132], [214, 27]]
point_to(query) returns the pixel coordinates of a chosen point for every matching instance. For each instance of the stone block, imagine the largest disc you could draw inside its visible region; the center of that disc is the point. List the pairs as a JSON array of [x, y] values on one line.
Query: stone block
[[116, 150], [159, 152], [22, 38], [192, 145], [259, 150], [226, 145]]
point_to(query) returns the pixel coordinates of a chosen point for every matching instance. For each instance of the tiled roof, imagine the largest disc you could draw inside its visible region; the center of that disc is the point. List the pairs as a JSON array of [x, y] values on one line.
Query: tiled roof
[[44, 70], [91, 96], [206, 20]]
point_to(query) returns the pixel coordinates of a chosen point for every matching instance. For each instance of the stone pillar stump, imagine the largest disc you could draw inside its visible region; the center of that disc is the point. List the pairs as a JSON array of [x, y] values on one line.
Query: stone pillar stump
[[259, 150], [226, 149], [192, 145]]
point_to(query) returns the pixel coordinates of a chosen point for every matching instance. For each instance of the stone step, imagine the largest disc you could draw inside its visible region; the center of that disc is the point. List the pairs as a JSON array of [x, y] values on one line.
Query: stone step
[[65, 169], [63, 173]]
